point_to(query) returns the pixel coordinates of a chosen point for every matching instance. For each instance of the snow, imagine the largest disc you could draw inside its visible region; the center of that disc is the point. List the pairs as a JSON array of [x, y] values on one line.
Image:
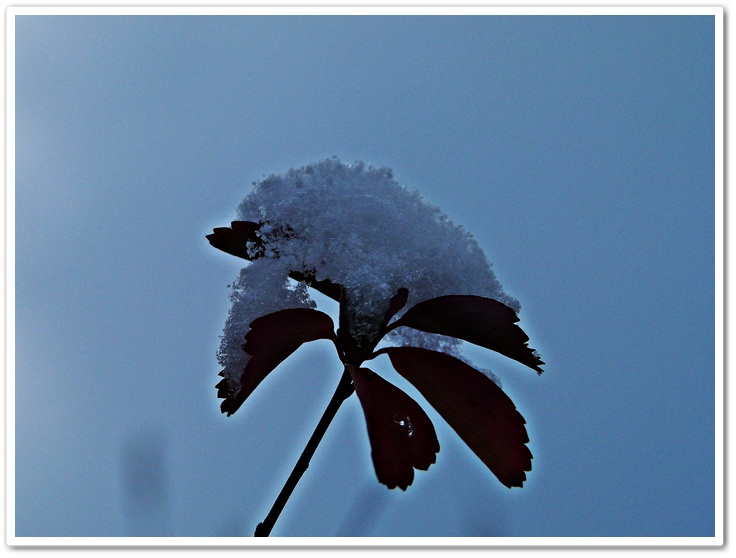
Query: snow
[[355, 225]]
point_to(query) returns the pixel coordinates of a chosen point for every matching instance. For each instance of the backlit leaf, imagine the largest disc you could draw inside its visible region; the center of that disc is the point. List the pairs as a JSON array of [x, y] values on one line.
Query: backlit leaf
[[402, 436], [476, 319], [473, 405], [270, 340], [397, 302], [234, 239], [325, 286]]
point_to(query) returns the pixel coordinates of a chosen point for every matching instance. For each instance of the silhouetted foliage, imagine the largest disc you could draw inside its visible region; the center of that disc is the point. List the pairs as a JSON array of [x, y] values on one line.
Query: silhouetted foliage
[[401, 435], [354, 234]]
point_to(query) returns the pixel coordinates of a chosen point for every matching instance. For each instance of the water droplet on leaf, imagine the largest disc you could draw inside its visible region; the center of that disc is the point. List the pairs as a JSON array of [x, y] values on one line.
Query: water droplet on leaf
[[404, 422]]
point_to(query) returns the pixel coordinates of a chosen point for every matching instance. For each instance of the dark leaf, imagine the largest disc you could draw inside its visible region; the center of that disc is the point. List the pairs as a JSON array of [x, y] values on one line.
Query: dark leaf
[[271, 339], [223, 390], [398, 301], [479, 320], [231, 402], [359, 348], [234, 239], [476, 408], [326, 287], [402, 436]]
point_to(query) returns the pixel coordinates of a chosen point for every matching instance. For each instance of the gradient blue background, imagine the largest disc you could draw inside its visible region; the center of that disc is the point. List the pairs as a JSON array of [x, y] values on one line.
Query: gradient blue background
[[579, 151]]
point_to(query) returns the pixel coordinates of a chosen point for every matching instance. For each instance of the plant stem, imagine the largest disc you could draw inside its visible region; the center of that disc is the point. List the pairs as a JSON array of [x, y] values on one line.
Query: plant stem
[[344, 390]]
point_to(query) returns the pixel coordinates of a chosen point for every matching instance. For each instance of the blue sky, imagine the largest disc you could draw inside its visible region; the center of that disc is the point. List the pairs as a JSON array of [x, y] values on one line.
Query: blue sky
[[579, 151]]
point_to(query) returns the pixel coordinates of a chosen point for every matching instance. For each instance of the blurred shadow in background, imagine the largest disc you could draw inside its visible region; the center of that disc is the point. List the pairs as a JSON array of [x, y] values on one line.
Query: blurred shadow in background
[[493, 522], [362, 516], [146, 499]]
